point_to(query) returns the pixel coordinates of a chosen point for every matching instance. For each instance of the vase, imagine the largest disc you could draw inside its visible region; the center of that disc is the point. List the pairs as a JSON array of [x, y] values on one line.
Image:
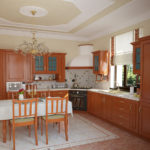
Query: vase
[[21, 96]]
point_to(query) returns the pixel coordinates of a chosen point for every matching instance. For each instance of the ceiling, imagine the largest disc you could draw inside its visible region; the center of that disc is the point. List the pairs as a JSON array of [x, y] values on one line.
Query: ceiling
[[79, 20]]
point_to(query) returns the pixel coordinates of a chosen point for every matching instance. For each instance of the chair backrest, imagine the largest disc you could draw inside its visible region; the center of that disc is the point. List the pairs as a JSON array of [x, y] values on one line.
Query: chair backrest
[[56, 105], [25, 108]]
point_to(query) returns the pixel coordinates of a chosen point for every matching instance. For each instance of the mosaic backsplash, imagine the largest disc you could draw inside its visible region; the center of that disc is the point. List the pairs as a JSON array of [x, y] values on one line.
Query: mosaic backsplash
[[84, 78]]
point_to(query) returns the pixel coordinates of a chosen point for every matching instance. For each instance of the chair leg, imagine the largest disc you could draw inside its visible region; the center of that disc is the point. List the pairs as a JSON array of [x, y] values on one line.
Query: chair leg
[[41, 126], [29, 127], [13, 138], [46, 132], [66, 128], [36, 138], [9, 130], [38, 119], [59, 127]]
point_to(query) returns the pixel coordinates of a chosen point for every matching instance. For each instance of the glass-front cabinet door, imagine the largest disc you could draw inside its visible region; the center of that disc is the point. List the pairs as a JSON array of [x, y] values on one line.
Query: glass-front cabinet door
[[39, 64], [96, 63], [136, 58], [52, 64]]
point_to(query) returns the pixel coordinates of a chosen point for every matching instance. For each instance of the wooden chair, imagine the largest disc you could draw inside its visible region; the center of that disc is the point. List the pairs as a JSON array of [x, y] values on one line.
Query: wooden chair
[[58, 113], [26, 118]]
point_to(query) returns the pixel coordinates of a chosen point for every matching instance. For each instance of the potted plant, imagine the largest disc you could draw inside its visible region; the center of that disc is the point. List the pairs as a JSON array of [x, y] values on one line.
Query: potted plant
[[21, 94]]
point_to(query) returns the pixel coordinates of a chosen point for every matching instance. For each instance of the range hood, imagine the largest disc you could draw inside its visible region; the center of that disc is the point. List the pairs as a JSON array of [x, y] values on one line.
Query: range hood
[[85, 58]]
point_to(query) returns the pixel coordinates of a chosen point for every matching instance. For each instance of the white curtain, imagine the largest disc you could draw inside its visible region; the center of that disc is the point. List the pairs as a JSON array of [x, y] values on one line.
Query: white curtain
[[123, 48]]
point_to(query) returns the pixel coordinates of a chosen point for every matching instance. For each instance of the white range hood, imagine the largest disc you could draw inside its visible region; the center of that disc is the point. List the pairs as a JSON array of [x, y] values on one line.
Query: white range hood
[[85, 58]]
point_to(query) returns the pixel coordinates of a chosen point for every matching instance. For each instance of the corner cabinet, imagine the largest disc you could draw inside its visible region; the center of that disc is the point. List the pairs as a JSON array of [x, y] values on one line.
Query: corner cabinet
[[136, 57], [101, 63]]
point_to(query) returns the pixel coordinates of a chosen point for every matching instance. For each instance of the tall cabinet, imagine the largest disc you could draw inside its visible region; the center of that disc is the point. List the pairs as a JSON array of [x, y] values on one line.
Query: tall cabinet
[[143, 44], [2, 75]]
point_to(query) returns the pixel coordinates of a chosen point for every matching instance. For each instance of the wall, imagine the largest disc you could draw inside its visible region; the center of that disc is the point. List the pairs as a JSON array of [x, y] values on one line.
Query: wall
[[64, 46], [104, 42]]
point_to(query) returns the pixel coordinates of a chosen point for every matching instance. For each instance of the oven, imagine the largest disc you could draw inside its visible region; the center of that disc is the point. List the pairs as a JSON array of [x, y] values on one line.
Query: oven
[[78, 99]]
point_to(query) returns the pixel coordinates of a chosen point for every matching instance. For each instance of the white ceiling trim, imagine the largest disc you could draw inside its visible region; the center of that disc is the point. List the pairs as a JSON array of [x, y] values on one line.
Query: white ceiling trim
[[62, 36], [92, 8]]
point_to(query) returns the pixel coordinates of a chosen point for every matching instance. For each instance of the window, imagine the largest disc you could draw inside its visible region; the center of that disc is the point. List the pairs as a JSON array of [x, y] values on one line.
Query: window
[[125, 76]]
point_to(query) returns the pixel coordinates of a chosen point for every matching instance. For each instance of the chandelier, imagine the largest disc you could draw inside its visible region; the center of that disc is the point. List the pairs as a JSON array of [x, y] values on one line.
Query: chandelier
[[33, 47]]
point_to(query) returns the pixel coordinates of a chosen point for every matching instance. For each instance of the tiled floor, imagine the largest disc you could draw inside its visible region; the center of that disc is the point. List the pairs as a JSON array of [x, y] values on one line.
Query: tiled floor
[[127, 141]]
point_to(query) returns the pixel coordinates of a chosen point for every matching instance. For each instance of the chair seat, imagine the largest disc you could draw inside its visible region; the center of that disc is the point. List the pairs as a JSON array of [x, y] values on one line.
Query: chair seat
[[54, 117], [23, 120]]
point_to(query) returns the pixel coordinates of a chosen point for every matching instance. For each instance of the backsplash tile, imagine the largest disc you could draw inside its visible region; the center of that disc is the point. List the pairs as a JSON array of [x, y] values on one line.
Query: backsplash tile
[[84, 78]]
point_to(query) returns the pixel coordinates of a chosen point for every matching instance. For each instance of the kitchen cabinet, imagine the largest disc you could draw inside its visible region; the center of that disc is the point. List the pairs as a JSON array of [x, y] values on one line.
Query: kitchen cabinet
[[119, 111], [101, 62], [145, 87], [52, 63], [125, 113], [18, 67], [2, 75]]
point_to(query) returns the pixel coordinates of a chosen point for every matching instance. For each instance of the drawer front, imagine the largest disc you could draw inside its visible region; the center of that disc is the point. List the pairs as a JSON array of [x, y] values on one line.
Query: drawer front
[[59, 93], [122, 106]]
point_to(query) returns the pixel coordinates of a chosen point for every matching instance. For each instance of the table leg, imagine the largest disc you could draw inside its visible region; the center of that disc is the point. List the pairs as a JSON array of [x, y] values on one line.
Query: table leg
[[4, 131]]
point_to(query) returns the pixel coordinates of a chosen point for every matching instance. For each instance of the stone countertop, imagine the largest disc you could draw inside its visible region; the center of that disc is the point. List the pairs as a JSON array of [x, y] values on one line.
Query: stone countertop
[[116, 93]]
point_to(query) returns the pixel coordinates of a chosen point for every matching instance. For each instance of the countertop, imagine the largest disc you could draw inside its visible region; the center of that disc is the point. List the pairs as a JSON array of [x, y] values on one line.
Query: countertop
[[116, 93]]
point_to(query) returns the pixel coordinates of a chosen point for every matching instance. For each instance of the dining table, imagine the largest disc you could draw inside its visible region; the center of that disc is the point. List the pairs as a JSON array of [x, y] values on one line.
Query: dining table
[[6, 112]]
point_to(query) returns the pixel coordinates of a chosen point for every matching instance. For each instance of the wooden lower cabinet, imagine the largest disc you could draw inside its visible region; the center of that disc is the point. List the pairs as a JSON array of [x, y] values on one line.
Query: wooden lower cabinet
[[144, 120], [120, 111]]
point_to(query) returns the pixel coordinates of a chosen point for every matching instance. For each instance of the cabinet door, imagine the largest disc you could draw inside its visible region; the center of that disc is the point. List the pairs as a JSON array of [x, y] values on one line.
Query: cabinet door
[[52, 64], [108, 107], [136, 59], [144, 127], [2, 75], [104, 63], [96, 64], [39, 64], [15, 64], [145, 71], [28, 70], [60, 76]]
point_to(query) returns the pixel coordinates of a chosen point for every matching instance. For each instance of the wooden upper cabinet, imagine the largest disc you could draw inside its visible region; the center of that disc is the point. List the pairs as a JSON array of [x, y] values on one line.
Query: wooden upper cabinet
[[15, 66], [136, 57], [18, 67], [101, 62]]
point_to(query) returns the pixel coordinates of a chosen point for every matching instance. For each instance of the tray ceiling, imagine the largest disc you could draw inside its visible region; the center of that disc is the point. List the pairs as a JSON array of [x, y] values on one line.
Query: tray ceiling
[[81, 20]]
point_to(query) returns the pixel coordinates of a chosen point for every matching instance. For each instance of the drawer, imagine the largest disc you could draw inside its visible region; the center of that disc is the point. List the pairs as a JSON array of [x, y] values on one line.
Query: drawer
[[122, 106], [59, 93]]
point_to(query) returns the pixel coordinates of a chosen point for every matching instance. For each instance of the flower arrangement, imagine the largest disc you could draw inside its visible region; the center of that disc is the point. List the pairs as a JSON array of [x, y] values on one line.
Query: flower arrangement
[[21, 91]]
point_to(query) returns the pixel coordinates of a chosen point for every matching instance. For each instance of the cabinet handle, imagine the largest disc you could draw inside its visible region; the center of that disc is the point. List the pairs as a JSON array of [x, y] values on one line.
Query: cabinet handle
[[130, 107], [140, 109]]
